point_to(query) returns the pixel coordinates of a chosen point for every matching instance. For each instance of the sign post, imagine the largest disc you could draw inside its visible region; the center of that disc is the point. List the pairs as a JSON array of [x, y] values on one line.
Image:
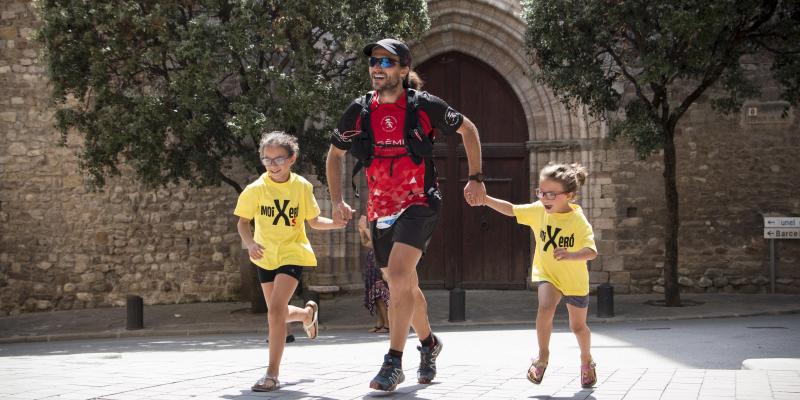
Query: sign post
[[779, 228]]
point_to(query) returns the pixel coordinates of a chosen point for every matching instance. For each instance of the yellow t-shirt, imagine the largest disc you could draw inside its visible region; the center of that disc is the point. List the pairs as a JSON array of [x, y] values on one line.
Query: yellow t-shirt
[[280, 211], [571, 230]]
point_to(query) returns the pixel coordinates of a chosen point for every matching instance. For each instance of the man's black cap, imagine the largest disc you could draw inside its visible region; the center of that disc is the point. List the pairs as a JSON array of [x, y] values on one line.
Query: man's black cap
[[393, 46]]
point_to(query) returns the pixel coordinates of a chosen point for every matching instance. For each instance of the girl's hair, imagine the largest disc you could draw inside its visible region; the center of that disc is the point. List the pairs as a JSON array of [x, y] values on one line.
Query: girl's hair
[[279, 138], [414, 81], [570, 176]]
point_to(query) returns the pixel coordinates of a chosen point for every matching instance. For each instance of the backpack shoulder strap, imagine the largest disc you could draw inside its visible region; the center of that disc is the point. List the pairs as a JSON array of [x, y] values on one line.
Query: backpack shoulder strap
[[365, 140]]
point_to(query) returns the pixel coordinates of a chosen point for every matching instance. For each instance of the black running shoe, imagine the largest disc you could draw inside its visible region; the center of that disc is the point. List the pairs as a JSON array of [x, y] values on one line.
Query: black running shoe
[[390, 375], [427, 361]]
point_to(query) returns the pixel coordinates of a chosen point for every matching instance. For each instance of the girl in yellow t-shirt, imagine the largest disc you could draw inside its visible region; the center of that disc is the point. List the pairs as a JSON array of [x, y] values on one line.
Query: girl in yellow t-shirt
[[564, 242], [280, 202]]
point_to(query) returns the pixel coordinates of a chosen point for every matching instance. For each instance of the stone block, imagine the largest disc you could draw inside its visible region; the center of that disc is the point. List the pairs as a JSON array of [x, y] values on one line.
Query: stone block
[[603, 223], [324, 288], [620, 278], [714, 273], [598, 277], [760, 280], [704, 282], [613, 263], [8, 33], [9, 116]]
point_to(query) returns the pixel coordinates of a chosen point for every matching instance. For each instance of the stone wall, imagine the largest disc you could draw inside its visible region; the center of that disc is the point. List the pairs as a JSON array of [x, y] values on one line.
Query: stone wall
[[62, 246], [732, 172]]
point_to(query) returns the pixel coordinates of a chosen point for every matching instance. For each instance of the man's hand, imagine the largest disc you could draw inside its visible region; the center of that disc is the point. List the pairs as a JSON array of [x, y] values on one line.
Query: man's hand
[[255, 250], [342, 212], [475, 193]]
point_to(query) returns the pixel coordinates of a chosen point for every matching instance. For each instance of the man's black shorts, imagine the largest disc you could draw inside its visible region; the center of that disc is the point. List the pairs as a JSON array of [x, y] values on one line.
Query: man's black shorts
[[268, 275], [414, 227]]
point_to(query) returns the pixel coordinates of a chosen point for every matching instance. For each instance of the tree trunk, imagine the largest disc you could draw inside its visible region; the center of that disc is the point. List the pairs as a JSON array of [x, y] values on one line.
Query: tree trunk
[[672, 295]]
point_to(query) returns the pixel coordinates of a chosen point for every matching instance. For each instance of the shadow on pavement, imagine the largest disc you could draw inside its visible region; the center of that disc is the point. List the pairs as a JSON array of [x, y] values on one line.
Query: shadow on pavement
[[282, 393], [580, 395]]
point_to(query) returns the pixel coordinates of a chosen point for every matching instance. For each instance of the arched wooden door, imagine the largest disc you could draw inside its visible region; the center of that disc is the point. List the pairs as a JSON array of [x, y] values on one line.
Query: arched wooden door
[[476, 247]]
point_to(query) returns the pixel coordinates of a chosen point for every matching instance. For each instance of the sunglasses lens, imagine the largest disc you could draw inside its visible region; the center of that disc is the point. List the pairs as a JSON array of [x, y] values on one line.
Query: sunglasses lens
[[386, 62]]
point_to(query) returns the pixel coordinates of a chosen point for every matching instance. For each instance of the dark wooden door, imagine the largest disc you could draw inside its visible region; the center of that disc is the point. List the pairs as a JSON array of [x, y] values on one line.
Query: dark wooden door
[[476, 247]]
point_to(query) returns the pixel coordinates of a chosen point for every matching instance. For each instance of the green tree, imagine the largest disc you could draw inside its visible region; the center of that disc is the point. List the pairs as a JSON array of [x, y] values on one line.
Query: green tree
[[179, 90], [654, 59]]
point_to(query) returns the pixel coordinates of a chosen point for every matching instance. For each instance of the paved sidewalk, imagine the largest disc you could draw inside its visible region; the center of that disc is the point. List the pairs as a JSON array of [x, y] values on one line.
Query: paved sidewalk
[[483, 307], [340, 364]]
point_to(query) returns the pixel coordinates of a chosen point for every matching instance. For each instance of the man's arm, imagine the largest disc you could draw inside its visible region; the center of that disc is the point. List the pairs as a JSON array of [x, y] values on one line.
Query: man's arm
[[474, 191], [333, 165]]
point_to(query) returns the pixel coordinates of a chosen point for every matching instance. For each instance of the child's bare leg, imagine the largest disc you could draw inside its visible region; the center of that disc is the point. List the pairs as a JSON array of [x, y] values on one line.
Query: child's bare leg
[[549, 297], [577, 323], [279, 312]]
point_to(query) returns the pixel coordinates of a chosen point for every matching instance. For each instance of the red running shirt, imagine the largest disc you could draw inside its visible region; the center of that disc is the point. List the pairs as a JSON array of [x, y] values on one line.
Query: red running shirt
[[395, 183]]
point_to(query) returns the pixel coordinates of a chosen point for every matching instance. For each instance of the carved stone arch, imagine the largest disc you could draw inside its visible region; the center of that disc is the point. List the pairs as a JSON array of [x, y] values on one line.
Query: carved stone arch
[[493, 32]]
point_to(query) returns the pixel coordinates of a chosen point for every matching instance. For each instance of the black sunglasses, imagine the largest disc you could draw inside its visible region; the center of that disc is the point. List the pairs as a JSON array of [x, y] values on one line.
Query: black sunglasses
[[386, 62]]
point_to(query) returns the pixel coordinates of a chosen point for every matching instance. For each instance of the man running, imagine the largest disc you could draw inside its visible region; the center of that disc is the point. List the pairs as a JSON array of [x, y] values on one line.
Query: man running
[[390, 131]]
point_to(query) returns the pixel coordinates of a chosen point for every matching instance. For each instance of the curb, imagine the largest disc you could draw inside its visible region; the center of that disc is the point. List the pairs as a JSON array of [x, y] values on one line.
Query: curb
[[124, 334]]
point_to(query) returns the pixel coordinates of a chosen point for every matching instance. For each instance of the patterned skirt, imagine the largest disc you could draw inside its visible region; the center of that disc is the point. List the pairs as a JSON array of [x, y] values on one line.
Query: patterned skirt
[[375, 288]]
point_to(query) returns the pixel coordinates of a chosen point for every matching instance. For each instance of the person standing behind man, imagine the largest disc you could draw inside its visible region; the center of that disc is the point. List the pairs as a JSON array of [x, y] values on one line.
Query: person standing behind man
[[390, 132]]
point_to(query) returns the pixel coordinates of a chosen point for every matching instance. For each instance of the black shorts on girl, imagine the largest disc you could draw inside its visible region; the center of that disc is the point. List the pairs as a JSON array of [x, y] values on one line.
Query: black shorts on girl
[[268, 275], [413, 227], [577, 301]]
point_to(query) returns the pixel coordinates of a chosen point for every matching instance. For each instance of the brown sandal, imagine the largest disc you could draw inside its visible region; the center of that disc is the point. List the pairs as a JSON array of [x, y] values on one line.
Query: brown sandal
[[266, 384], [588, 375], [536, 371], [314, 325]]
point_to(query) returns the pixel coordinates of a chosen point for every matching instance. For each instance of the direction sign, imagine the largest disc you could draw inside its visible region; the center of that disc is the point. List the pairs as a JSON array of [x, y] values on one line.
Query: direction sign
[[781, 222], [781, 227], [778, 233]]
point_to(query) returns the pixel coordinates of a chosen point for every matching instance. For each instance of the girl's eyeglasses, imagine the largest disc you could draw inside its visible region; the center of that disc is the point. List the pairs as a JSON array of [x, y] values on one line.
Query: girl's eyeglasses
[[386, 62], [274, 161], [547, 195]]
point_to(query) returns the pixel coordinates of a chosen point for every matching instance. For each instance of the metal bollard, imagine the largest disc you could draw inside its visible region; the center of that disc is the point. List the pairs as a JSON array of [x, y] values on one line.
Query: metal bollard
[[135, 308], [312, 295], [458, 300], [605, 301]]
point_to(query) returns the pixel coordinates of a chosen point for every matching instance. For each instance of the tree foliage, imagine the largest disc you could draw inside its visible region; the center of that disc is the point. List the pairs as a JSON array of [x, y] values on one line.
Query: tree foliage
[[590, 52], [179, 90], [654, 59]]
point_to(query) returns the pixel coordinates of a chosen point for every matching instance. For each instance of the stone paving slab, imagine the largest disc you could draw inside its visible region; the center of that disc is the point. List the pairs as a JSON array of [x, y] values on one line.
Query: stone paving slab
[[340, 367], [349, 381]]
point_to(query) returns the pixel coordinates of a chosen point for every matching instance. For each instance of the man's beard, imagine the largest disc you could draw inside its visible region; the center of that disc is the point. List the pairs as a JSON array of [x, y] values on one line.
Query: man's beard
[[389, 85]]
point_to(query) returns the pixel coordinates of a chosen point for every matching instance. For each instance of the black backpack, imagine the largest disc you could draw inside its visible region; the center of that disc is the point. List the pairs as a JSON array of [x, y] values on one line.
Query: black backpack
[[418, 145]]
